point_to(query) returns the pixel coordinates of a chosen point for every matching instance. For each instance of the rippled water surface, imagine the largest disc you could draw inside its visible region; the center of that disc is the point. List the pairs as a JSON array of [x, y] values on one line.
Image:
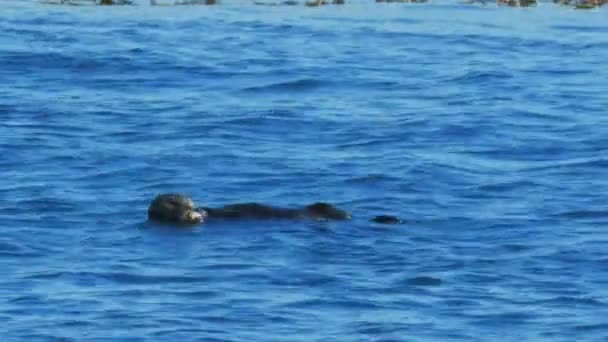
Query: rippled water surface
[[484, 128]]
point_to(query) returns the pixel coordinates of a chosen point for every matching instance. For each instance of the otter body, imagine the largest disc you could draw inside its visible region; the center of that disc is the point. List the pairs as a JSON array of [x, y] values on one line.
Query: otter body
[[262, 211], [179, 209]]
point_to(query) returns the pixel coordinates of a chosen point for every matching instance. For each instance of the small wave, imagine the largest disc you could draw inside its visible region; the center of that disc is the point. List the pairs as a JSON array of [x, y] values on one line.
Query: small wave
[[197, 294], [43, 205], [229, 267], [121, 277], [6, 247], [583, 214], [131, 278], [508, 186], [424, 281], [308, 279], [570, 300], [21, 253], [559, 72], [255, 121], [480, 77], [301, 85], [374, 329], [498, 319], [580, 28], [578, 163], [336, 303], [371, 179], [512, 247], [591, 327], [44, 275]]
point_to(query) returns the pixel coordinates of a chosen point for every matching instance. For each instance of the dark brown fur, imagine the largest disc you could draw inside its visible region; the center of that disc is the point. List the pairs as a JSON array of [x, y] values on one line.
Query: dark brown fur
[[176, 208]]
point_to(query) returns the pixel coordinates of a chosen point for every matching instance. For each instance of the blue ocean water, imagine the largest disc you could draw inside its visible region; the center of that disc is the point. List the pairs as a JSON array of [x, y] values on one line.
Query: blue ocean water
[[484, 128]]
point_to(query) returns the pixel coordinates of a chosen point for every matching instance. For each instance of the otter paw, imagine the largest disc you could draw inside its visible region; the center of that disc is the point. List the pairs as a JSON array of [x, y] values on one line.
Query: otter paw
[[387, 219]]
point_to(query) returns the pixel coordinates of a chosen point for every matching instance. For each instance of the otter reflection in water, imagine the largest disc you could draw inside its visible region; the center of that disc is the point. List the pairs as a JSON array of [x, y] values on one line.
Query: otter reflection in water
[[177, 208]]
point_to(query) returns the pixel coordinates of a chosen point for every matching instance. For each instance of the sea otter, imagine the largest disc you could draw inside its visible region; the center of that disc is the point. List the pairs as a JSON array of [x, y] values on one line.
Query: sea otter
[[179, 209]]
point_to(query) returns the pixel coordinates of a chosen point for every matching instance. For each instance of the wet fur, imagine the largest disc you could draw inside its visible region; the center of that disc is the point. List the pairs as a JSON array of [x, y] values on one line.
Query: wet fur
[[177, 208]]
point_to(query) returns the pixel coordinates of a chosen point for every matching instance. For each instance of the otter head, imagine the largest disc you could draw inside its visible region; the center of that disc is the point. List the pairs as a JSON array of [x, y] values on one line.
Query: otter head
[[174, 208], [321, 210]]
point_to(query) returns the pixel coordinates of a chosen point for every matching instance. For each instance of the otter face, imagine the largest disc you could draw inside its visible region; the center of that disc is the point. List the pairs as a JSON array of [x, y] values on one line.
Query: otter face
[[174, 208]]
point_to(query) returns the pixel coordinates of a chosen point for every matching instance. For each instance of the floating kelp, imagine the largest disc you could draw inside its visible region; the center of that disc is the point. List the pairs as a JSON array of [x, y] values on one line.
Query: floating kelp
[[282, 3], [315, 3], [183, 2], [517, 3], [512, 3], [88, 2], [126, 2], [70, 2], [196, 2], [404, 1], [582, 4], [115, 2]]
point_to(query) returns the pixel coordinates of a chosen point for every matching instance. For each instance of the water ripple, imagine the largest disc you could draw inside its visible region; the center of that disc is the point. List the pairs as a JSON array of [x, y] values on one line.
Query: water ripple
[[485, 136]]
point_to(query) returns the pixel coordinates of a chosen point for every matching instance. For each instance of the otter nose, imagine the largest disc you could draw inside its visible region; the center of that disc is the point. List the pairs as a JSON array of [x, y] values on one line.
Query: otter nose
[[202, 212], [195, 217]]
